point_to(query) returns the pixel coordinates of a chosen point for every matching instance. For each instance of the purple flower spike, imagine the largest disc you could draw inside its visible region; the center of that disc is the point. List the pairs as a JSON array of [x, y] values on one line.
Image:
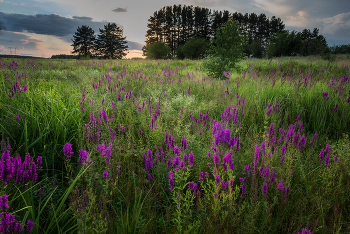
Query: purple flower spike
[[191, 158], [67, 150], [30, 225], [192, 185], [4, 202], [150, 177], [104, 175], [264, 189]]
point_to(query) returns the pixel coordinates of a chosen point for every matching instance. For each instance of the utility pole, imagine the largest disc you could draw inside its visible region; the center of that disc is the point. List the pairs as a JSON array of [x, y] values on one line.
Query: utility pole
[[10, 50], [15, 50]]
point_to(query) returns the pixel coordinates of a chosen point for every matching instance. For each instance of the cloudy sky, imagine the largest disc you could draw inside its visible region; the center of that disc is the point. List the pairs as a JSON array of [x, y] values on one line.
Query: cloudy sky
[[46, 27]]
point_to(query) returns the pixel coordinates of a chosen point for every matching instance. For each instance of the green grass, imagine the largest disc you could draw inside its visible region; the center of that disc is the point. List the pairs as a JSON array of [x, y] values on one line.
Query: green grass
[[51, 113]]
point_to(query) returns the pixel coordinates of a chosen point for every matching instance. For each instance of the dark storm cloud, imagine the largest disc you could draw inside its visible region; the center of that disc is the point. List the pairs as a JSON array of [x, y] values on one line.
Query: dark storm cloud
[[119, 9], [53, 24]]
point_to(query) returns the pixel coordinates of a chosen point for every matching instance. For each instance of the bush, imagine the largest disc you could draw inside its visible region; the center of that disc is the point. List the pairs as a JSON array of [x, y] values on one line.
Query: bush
[[194, 48], [225, 51], [157, 50]]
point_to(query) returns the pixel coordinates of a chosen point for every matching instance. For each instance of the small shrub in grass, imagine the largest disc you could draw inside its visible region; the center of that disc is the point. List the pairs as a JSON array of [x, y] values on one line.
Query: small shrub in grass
[[225, 51]]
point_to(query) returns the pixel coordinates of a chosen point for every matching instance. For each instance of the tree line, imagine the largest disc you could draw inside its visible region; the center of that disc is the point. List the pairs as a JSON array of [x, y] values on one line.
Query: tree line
[[109, 43], [187, 31]]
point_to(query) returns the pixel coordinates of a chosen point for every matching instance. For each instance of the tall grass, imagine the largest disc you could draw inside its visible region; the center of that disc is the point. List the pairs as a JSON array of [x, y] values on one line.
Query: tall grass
[[66, 100]]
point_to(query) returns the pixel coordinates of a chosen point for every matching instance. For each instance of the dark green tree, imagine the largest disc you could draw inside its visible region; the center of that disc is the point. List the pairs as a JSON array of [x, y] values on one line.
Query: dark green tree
[[157, 50], [226, 50], [110, 42], [313, 43], [194, 48], [83, 42], [285, 44]]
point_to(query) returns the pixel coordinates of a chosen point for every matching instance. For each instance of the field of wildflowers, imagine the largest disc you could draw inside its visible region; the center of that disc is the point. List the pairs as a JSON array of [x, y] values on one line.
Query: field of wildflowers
[[123, 146]]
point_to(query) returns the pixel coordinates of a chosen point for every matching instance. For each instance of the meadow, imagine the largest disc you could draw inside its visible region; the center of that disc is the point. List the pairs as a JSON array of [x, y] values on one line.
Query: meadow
[[159, 146]]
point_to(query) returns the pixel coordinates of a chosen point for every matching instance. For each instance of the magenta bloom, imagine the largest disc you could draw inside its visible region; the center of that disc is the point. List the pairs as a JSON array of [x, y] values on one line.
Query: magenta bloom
[[4, 202], [83, 157], [104, 175], [30, 225], [67, 150], [192, 185], [264, 189]]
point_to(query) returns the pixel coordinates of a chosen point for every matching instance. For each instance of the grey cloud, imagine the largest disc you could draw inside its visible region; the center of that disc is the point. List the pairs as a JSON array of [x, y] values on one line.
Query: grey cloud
[[83, 18], [53, 24], [119, 9], [338, 24], [19, 40], [134, 45]]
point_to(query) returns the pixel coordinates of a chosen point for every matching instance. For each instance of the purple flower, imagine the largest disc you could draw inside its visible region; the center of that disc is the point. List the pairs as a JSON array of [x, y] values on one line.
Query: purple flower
[[176, 150], [108, 153], [140, 132], [192, 185], [335, 108], [268, 111], [313, 139], [176, 161], [67, 150], [198, 194], [83, 157], [243, 190], [184, 143], [123, 128], [280, 185], [185, 157], [302, 141], [4, 202], [217, 179], [325, 95], [216, 158], [150, 177], [264, 189], [256, 156], [104, 175], [191, 158], [209, 154], [171, 180], [30, 225], [273, 176]]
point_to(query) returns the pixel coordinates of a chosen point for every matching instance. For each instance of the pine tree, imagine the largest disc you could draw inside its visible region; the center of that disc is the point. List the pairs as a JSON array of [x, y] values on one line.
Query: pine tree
[[110, 43], [83, 42]]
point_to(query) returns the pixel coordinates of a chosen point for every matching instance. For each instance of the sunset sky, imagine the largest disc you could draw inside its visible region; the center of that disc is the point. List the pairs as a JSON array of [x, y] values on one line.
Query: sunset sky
[[46, 27]]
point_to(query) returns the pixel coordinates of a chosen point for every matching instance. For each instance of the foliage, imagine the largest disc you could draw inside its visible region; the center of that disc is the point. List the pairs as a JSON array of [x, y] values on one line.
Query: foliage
[[110, 42], [285, 44], [157, 50], [83, 42], [225, 50], [158, 146], [194, 48], [175, 24]]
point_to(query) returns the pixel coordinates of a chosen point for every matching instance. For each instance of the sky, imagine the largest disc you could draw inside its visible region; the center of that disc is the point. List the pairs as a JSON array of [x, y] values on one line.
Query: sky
[[45, 27]]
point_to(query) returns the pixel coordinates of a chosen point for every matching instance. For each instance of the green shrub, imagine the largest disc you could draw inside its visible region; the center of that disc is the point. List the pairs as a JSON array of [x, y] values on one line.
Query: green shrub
[[225, 50]]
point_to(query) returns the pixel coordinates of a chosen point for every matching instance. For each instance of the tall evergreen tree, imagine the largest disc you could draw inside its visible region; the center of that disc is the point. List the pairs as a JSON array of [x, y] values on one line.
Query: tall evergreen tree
[[110, 42], [83, 42]]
